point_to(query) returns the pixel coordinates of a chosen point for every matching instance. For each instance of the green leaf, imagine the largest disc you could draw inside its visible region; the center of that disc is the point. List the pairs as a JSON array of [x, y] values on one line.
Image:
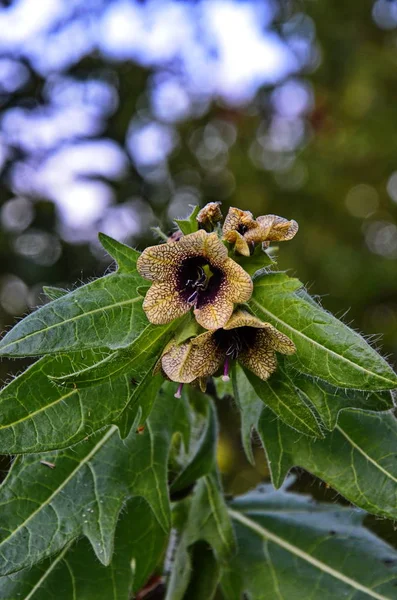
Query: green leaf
[[358, 459], [105, 313], [325, 347], [205, 573], [250, 408], [77, 573], [190, 224], [36, 415], [44, 508], [278, 393], [200, 459], [145, 349], [140, 403], [125, 256], [256, 264], [291, 547], [53, 293], [206, 520], [328, 400]]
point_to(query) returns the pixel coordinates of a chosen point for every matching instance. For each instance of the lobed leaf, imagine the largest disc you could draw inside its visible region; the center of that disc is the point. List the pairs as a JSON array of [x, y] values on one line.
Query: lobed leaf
[[43, 509], [76, 572], [357, 459], [325, 347], [328, 401], [146, 348]]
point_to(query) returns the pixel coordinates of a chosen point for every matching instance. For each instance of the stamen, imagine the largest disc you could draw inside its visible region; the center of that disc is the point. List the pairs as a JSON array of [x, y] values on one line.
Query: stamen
[[178, 392], [193, 297], [225, 376]]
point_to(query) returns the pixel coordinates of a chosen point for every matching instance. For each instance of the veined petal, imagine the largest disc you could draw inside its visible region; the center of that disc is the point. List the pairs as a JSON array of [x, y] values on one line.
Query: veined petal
[[260, 358], [280, 342], [241, 245], [160, 263], [236, 218], [237, 281], [277, 229], [213, 249], [242, 318], [198, 358], [163, 303], [215, 314]]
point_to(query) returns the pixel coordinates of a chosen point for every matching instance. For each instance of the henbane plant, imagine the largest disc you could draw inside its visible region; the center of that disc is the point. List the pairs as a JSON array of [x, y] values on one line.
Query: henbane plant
[[114, 490]]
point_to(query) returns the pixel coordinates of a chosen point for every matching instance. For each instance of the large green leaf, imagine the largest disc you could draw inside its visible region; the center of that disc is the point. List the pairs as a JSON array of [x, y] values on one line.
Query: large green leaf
[[290, 547], [43, 509], [358, 459], [36, 415], [147, 345], [104, 313], [325, 347], [124, 255], [76, 572]]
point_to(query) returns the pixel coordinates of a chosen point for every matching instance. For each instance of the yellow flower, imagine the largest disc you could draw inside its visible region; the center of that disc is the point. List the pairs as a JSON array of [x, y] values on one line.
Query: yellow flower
[[244, 338], [241, 229], [194, 272]]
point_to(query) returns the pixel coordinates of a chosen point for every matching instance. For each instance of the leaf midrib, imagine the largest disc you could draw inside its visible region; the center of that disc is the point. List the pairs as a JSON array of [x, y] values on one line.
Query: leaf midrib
[[66, 321], [366, 456], [268, 535], [324, 348], [92, 453], [39, 410], [48, 571]]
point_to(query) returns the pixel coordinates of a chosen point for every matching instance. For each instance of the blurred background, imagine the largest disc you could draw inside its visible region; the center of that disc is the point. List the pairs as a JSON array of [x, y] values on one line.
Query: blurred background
[[117, 115]]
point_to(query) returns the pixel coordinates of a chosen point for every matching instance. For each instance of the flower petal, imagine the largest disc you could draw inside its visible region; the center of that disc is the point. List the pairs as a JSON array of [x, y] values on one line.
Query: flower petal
[[163, 303], [237, 282], [241, 245], [236, 218], [214, 250], [215, 314], [241, 318], [280, 342], [260, 358], [277, 229], [160, 263], [198, 358]]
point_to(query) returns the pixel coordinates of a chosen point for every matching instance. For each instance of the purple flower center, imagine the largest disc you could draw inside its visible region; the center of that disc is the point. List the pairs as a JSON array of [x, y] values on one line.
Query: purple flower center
[[199, 281], [234, 341]]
